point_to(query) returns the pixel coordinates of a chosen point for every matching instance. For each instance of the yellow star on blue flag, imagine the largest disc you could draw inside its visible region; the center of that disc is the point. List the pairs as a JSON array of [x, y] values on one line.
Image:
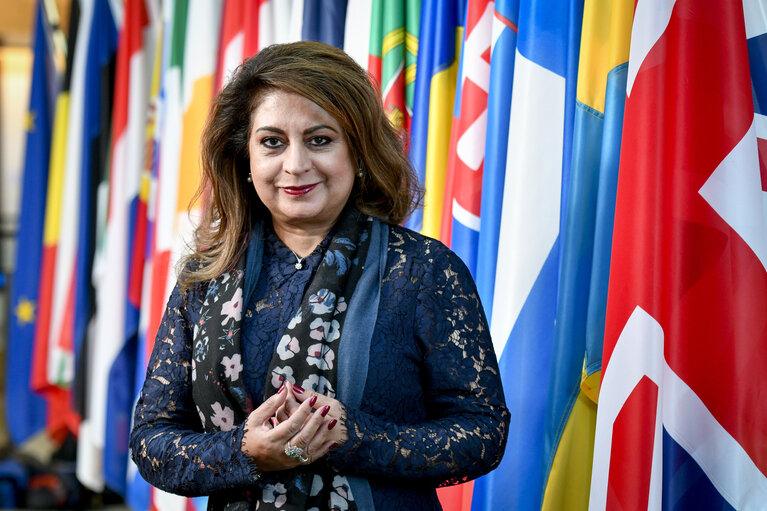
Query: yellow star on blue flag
[[25, 311]]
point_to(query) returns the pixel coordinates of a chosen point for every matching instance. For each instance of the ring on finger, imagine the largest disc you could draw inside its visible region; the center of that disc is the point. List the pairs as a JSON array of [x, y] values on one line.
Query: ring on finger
[[293, 451], [303, 459]]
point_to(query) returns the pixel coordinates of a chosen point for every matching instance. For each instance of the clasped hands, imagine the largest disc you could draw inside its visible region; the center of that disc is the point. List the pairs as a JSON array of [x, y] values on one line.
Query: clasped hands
[[293, 417]]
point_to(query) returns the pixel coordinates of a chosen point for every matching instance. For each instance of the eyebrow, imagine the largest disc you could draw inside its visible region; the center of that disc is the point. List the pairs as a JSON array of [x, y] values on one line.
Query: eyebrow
[[318, 127]]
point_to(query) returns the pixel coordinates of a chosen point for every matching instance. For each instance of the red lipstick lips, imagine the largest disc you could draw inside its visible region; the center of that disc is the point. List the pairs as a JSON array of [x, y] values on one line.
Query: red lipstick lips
[[298, 190]]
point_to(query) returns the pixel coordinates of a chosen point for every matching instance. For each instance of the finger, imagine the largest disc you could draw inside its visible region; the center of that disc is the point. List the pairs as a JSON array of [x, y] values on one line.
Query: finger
[[282, 415], [336, 408], [268, 408], [292, 425], [324, 439], [312, 436]]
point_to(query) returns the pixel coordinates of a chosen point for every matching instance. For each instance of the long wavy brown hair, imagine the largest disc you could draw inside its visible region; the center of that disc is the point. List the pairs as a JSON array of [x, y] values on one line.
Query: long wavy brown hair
[[388, 188]]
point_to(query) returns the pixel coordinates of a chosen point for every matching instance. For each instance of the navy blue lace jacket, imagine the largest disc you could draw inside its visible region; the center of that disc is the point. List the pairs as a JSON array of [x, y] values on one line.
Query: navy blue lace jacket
[[432, 411]]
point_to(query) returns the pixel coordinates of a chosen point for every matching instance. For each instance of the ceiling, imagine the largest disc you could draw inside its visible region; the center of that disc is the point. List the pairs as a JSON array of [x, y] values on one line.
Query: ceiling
[[17, 20]]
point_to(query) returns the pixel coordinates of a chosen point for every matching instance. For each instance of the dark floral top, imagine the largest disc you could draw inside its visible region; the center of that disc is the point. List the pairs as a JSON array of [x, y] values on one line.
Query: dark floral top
[[432, 412]]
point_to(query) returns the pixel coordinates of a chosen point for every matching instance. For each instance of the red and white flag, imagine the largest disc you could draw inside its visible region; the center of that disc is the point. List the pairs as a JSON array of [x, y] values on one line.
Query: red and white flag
[[681, 420]]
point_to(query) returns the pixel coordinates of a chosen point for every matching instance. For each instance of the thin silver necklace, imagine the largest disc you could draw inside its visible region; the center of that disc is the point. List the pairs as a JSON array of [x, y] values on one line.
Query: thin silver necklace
[[299, 261]]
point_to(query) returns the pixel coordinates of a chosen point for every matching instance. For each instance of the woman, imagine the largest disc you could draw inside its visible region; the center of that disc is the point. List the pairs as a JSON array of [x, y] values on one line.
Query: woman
[[315, 355]]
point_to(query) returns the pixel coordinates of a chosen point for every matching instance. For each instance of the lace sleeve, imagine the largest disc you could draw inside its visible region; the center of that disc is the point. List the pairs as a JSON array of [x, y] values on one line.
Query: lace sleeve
[[167, 442], [468, 421]]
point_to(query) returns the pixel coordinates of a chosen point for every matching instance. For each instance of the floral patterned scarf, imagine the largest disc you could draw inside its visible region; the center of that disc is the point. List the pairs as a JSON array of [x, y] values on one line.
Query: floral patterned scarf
[[306, 353]]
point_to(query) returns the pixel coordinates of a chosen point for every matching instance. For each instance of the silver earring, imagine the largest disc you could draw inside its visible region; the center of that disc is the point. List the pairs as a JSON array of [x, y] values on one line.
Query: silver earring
[[249, 179], [360, 172]]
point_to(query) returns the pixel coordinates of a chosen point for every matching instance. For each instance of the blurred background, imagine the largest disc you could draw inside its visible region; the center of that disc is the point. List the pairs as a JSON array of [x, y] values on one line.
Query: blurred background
[[597, 164]]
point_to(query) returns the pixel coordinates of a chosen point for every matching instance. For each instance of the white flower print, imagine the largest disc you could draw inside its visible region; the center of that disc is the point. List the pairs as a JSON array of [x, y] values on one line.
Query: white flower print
[[319, 384], [322, 302], [222, 418], [324, 330], [316, 485], [341, 494], [320, 355], [233, 308], [282, 373], [341, 305], [202, 416], [194, 370], [275, 493], [295, 320], [232, 366], [287, 347]]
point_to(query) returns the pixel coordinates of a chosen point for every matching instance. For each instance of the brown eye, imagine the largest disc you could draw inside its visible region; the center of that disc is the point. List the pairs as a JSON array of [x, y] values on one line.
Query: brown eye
[[319, 141], [271, 142]]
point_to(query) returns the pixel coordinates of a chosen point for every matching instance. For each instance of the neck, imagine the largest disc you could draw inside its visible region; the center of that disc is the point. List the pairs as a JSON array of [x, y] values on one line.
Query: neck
[[301, 241]]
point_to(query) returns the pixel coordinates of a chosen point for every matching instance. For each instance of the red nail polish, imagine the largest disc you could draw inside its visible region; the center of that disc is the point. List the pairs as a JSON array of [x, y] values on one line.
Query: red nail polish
[[297, 389], [282, 377], [334, 445], [332, 424], [325, 410], [271, 421], [282, 387], [312, 401]]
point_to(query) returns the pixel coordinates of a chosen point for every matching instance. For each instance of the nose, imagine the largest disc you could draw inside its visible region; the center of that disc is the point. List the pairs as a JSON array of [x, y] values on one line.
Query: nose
[[297, 159]]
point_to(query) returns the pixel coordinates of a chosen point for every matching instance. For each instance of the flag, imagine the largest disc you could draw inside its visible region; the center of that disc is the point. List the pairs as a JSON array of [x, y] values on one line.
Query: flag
[[681, 421], [25, 411], [440, 34], [357, 30], [279, 21], [502, 55], [463, 192], [392, 58], [139, 492], [125, 238], [187, 88], [97, 91], [463, 179], [232, 40], [584, 265], [756, 33], [324, 20], [61, 417], [525, 292]]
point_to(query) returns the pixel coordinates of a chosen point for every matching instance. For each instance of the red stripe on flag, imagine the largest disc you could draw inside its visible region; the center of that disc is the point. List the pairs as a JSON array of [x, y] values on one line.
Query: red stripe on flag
[[39, 373], [375, 65], [66, 338], [506, 21], [456, 498], [233, 20], [628, 487], [157, 298], [138, 250]]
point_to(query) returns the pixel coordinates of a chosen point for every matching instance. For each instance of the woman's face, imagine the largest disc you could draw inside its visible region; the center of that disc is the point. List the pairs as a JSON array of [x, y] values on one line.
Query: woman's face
[[300, 163]]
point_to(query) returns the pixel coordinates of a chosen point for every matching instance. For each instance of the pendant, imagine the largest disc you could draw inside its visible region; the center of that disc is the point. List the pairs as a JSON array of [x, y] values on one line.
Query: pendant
[[299, 265]]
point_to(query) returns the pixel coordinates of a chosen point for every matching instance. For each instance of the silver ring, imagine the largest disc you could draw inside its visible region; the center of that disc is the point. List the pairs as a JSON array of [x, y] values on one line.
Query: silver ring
[[303, 459], [293, 451]]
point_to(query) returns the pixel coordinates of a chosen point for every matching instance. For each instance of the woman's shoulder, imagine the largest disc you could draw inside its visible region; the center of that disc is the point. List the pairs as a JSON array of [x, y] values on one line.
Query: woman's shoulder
[[414, 242], [408, 240], [419, 248]]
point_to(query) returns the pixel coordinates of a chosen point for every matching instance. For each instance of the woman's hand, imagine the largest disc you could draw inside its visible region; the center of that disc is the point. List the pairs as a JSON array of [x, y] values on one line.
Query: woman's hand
[[266, 441], [322, 405]]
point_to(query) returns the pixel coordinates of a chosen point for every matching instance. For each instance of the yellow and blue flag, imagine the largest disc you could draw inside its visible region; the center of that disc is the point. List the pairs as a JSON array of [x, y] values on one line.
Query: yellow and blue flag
[[585, 258], [440, 34]]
